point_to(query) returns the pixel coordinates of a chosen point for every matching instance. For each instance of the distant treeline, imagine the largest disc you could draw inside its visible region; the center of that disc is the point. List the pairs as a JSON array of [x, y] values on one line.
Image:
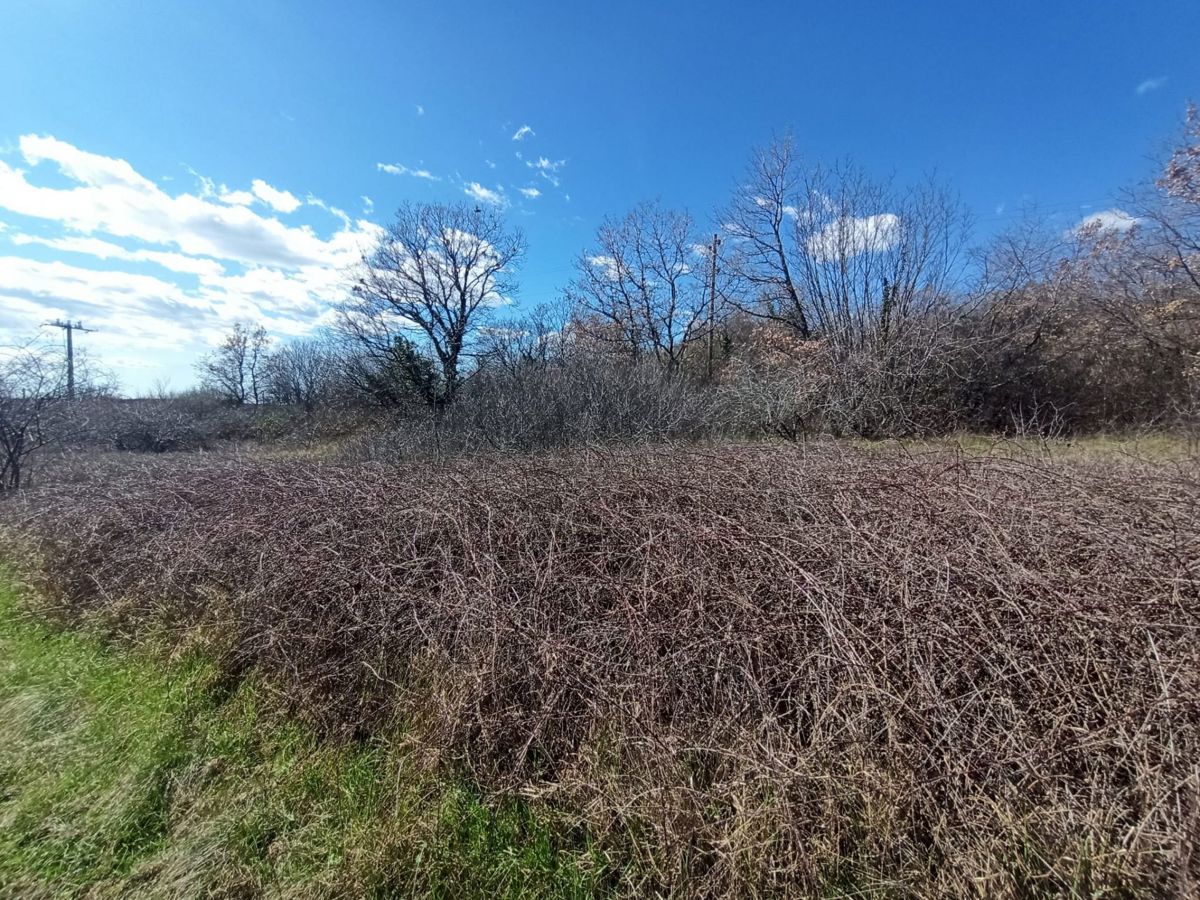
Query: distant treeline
[[820, 301], [829, 302]]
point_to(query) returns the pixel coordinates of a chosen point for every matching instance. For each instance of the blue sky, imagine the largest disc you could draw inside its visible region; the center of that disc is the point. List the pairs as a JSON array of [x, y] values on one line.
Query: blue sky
[[167, 168]]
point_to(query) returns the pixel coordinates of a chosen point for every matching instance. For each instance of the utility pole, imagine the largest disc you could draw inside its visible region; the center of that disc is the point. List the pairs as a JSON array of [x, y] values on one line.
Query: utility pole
[[69, 327], [712, 304]]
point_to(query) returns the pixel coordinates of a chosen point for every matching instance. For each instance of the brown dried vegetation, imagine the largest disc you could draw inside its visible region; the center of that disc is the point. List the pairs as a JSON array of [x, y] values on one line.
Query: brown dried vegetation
[[745, 671]]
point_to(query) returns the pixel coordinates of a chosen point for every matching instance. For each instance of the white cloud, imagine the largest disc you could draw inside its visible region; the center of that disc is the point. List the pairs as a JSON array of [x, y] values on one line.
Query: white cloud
[[139, 307], [1107, 220], [78, 165], [1151, 84], [368, 205], [544, 165], [336, 212], [531, 192], [853, 235], [100, 249], [787, 209], [398, 169], [111, 198], [523, 132], [280, 201], [260, 192], [612, 270], [221, 260], [138, 312], [546, 168], [420, 110], [484, 195], [235, 198]]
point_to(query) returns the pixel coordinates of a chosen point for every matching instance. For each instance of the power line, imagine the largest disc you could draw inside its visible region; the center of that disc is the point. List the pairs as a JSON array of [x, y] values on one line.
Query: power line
[[69, 327]]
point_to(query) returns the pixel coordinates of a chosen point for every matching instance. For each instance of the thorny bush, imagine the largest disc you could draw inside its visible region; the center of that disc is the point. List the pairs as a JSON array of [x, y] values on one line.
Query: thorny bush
[[747, 670]]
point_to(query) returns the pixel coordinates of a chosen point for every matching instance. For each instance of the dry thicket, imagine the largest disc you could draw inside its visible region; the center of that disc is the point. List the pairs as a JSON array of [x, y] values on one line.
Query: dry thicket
[[750, 670]]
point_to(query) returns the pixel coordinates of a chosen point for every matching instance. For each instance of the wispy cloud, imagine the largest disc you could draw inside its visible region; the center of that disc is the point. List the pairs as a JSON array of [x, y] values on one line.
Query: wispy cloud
[[544, 165], [523, 132], [398, 169], [341, 214], [548, 169], [420, 110], [1151, 84], [531, 192], [484, 195]]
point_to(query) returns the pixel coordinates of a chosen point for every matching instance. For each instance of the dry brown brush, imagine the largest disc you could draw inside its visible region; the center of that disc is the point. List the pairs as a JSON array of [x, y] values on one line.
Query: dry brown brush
[[748, 671]]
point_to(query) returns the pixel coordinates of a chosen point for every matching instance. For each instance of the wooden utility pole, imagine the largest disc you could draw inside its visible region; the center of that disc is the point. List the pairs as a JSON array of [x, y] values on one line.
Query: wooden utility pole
[[712, 303], [69, 327]]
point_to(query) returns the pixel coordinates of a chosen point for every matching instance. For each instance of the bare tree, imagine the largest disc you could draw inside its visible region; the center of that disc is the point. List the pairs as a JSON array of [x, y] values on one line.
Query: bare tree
[[34, 411], [837, 255], [759, 221], [1181, 176], [437, 272], [644, 285], [876, 260], [1178, 222], [1168, 214], [536, 340], [302, 373], [237, 368]]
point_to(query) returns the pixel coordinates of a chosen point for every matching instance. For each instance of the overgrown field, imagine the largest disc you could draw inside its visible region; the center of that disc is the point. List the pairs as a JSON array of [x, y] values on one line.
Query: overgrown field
[[735, 672]]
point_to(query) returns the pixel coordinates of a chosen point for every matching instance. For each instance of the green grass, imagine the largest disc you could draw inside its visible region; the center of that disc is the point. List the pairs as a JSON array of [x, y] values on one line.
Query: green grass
[[121, 775]]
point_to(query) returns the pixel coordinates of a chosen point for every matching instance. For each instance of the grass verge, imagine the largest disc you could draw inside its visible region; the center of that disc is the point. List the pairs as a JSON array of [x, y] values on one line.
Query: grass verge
[[122, 776]]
